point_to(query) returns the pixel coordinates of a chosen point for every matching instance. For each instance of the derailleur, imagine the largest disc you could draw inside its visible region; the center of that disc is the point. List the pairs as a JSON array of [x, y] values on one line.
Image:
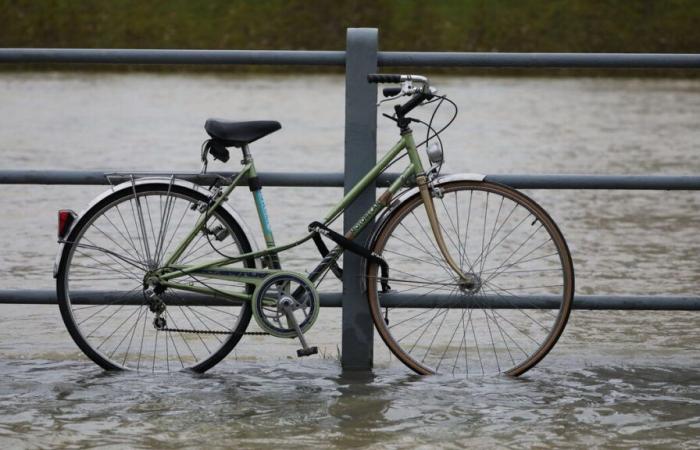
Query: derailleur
[[157, 306]]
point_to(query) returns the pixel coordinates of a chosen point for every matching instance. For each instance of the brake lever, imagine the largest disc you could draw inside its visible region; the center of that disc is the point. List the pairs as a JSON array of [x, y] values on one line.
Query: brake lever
[[401, 94], [406, 89]]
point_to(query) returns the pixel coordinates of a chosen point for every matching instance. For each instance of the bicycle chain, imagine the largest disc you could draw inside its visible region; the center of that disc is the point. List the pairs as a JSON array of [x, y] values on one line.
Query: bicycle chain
[[184, 330]]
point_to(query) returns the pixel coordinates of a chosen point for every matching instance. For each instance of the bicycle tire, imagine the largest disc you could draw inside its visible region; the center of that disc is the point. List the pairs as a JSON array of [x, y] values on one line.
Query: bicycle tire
[[488, 327], [114, 223]]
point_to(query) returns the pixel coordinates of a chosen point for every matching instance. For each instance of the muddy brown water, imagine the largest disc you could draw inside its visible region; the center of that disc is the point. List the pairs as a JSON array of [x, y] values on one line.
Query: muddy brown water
[[615, 379]]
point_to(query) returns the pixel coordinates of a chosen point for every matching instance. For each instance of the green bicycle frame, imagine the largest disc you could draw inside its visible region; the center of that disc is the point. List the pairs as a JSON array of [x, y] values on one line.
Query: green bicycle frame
[[215, 269]]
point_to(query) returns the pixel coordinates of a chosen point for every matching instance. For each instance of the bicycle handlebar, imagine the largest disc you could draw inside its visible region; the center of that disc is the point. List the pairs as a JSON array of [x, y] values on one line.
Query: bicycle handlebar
[[393, 78], [418, 93], [416, 100], [384, 78]]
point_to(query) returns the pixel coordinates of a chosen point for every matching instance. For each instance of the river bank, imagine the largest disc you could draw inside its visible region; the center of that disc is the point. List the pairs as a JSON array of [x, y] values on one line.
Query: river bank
[[505, 26]]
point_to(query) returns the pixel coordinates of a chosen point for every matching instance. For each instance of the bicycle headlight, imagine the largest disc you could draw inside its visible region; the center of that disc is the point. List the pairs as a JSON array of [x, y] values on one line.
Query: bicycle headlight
[[434, 152]]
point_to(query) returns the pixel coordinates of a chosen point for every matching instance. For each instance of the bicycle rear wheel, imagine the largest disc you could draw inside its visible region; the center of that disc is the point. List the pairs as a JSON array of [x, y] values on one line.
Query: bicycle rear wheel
[[101, 289], [505, 322]]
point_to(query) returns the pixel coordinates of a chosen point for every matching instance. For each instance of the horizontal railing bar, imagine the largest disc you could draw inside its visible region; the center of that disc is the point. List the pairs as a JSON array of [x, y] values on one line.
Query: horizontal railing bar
[[337, 58], [542, 60], [328, 179], [92, 177], [631, 182], [586, 302], [156, 56]]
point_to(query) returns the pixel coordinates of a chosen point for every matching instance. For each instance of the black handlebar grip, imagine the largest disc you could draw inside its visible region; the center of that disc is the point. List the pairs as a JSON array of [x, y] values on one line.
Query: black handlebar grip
[[391, 91], [218, 151], [383, 78]]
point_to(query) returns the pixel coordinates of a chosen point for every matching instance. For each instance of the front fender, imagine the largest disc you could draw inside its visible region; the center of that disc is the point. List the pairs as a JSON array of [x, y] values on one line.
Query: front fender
[[155, 180], [408, 194]]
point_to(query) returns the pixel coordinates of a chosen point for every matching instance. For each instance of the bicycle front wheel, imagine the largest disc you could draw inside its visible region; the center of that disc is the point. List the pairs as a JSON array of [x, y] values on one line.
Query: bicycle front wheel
[[102, 289], [511, 314]]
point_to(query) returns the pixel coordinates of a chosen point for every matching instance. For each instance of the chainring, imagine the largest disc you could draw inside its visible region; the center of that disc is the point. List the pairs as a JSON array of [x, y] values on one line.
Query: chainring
[[285, 286]]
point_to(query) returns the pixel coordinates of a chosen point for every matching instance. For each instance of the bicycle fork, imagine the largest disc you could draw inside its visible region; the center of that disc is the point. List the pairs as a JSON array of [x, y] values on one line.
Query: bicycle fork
[[468, 282]]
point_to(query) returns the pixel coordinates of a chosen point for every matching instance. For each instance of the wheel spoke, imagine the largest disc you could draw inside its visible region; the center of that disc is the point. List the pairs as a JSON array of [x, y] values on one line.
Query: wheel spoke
[[511, 250], [118, 243]]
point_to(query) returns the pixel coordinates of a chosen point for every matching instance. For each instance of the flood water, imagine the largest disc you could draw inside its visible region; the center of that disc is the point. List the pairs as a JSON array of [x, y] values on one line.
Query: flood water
[[615, 379]]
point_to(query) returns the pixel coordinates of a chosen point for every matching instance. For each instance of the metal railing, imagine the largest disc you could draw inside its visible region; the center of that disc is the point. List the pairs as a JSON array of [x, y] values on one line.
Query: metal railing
[[360, 58], [336, 179]]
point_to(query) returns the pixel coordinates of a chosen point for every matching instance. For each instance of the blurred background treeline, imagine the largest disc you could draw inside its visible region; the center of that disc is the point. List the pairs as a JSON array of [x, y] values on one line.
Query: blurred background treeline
[[420, 25]]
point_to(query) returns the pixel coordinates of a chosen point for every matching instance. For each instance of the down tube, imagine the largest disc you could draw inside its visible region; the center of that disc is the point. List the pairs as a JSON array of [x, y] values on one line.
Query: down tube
[[367, 218], [382, 202]]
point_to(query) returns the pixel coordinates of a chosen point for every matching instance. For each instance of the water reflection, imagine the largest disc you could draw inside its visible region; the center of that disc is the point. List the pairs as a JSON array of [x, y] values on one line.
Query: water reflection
[[314, 404]]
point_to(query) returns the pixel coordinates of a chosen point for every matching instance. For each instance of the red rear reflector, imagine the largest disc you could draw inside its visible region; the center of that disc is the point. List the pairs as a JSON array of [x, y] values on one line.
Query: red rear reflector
[[65, 220]]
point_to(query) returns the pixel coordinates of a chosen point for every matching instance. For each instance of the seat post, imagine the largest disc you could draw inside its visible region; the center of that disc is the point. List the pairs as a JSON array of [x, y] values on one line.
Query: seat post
[[247, 157]]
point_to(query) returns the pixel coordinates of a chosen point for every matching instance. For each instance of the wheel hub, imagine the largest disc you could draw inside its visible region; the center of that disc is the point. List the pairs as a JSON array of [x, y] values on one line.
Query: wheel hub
[[471, 284]]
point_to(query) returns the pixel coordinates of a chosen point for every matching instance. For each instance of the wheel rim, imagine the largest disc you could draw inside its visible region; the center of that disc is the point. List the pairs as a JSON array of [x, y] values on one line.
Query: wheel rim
[[517, 259], [109, 253]]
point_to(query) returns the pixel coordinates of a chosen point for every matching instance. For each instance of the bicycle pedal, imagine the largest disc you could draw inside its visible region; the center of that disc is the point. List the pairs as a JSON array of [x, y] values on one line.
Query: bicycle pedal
[[307, 351]]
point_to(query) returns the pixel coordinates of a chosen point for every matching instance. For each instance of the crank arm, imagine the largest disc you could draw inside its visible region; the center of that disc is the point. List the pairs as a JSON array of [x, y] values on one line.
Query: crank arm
[[305, 350]]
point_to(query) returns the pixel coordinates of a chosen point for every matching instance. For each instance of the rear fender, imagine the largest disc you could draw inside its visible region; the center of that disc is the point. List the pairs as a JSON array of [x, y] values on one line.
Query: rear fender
[[156, 180]]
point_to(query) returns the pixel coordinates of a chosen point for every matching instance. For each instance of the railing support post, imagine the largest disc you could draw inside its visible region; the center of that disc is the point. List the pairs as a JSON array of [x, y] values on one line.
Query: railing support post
[[360, 157]]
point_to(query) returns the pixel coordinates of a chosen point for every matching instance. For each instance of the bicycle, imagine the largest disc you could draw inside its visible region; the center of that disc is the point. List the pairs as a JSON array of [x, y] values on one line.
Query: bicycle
[[463, 275]]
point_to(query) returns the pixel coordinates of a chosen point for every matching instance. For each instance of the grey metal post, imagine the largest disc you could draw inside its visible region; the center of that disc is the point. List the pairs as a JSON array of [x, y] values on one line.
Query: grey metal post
[[360, 157]]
